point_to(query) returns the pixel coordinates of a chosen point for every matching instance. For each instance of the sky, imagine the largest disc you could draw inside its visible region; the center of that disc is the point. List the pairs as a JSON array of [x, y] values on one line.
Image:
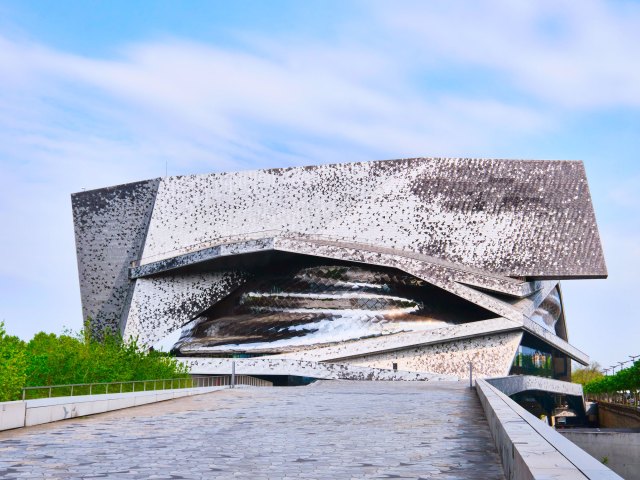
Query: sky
[[96, 93]]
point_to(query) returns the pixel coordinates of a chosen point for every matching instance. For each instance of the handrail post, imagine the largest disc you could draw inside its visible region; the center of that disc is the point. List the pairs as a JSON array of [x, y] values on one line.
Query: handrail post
[[49, 392], [72, 390], [233, 374], [24, 394], [470, 375]]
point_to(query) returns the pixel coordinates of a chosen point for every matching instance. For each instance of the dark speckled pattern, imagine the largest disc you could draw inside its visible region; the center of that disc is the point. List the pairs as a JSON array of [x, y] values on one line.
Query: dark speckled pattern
[[161, 305], [110, 228], [492, 219], [508, 217]]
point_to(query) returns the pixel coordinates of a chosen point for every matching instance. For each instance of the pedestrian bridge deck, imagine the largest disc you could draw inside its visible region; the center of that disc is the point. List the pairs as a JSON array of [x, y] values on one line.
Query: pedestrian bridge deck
[[330, 429]]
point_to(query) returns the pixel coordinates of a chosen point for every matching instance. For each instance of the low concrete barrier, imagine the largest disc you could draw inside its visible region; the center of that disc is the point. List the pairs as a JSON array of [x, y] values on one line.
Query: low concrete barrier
[[44, 410], [620, 449], [530, 449], [12, 415], [612, 415]]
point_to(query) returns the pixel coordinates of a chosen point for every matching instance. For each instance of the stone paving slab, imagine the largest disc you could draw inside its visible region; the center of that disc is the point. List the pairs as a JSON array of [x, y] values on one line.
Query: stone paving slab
[[328, 430]]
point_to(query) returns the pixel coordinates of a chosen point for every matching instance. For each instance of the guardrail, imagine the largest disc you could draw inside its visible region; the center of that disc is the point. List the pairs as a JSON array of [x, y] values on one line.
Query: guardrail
[[252, 381], [530, 449], [103, 388]]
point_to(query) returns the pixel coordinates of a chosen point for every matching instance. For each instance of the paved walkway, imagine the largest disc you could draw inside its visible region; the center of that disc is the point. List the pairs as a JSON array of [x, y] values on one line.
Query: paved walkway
[[328, 430]]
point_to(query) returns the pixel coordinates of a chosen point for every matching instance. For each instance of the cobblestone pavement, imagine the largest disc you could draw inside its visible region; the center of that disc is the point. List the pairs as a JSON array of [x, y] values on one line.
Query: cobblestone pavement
[[328, 430]]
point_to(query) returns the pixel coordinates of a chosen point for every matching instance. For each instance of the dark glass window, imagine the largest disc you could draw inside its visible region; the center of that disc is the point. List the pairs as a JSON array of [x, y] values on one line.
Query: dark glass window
[[532, 361]]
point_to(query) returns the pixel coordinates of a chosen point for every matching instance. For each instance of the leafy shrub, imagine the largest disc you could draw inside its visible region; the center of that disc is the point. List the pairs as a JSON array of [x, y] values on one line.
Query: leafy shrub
[[12, 366], [74, 358]]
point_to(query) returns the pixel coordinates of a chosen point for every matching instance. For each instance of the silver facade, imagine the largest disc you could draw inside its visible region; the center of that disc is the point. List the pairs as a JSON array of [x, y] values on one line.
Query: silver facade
[[495, 234]]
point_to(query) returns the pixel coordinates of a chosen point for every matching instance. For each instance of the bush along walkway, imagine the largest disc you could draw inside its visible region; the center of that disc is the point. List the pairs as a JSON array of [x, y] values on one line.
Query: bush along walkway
[[79, 358]]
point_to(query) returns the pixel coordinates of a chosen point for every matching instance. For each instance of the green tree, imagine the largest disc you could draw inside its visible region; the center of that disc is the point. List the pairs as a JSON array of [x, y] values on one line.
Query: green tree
[[80, 358], [12, 366], [76, 358], [616, 387], [587, 374]]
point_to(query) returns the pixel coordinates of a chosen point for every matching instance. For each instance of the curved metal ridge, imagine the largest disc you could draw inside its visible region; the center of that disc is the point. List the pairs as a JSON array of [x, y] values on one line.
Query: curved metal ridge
[[213, 248], [319, 238]]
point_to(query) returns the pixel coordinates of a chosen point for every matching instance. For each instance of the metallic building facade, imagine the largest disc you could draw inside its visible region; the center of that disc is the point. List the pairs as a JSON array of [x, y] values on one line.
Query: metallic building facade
[[413, 267]]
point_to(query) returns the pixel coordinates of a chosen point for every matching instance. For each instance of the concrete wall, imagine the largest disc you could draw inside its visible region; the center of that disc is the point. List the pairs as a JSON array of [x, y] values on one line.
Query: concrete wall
[[617, 416], [12, 415], [530, 449], [45, 410], [621, 449]]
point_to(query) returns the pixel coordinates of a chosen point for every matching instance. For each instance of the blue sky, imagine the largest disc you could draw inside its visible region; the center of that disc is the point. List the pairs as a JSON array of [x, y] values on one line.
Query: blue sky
[[95, 93]]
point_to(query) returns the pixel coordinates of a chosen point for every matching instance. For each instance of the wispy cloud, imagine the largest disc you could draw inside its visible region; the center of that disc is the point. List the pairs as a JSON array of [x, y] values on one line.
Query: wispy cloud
[[574, 54]]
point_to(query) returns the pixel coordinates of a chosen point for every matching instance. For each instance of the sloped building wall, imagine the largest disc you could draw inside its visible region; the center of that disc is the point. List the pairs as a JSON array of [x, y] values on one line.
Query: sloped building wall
[[110, 230]]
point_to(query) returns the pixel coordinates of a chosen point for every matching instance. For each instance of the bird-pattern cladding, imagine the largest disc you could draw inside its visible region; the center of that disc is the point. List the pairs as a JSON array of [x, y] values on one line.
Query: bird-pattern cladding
[[502, 218], [110, 229], [517, 218]]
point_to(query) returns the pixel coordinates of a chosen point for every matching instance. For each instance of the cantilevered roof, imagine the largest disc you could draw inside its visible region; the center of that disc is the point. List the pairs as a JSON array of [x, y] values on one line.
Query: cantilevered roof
[[521, 218]]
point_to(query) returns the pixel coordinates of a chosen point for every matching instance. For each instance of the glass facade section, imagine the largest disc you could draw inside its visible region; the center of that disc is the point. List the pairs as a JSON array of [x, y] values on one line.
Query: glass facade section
[[306, 303], [532, 361], [549, 311]]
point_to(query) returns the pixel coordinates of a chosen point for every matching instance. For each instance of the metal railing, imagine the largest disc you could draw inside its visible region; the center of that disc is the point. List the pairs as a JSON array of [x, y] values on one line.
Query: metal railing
[[252, 381], [76, 389]]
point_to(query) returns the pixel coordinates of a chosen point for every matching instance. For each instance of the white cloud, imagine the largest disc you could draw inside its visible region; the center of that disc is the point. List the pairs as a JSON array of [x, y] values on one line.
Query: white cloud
[[199, 104], [574, 54]]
